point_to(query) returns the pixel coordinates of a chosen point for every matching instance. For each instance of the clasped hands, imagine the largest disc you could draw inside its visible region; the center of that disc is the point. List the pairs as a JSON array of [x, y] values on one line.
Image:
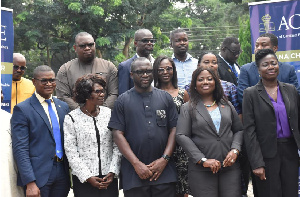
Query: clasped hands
[[215, 165], [101, 183], [151, 171]]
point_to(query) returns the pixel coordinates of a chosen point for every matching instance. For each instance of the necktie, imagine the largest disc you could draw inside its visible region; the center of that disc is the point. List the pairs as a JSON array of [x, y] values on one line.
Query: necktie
[[56, 130], [234, 70]]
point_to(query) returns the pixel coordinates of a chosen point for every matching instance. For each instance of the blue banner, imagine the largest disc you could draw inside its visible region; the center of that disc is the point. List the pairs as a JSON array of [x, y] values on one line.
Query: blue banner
[[7, 49], [281, 18]]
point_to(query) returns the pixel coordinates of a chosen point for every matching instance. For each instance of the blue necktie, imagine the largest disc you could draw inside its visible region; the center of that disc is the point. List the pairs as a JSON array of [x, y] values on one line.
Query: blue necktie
[[234, 70], [56, 130]]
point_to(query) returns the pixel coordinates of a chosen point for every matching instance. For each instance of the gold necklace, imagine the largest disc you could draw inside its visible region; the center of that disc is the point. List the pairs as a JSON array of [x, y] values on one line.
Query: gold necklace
[[210, 105], [270, 92]]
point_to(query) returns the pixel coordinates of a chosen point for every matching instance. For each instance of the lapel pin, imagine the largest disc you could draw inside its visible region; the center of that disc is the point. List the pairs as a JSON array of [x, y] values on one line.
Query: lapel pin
[[222, 106], [58, 105], [229, 70]]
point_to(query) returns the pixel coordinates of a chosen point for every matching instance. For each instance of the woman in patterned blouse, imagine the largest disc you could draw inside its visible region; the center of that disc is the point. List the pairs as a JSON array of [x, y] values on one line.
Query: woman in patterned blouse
[[92, 155], [165, 78]]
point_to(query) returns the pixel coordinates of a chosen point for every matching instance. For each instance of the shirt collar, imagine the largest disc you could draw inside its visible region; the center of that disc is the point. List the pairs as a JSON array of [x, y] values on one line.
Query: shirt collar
[[42, 99], [188, 56], [225, 60], [151, 58]]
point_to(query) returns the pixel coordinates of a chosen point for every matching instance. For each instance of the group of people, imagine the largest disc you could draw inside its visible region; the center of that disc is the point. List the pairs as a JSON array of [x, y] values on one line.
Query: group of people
[[165, 126]]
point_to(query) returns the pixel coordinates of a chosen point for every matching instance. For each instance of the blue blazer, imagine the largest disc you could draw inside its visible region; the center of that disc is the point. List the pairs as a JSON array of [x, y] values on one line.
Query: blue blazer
[[125, 81], [33, 141], [249, 76]]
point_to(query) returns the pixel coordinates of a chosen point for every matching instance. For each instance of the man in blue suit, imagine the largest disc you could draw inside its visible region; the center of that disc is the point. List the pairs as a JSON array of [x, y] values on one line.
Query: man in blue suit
[[143, 42], [37, 139], [249, 74]]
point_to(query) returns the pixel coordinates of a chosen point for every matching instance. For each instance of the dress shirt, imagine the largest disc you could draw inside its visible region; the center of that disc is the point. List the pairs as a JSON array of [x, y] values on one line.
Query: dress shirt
[[45, 106], [236, 68], [283, 128], [185, 69]]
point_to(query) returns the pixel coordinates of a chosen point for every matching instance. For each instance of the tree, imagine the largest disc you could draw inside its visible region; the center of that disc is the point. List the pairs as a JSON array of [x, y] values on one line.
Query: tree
[[245, 41]]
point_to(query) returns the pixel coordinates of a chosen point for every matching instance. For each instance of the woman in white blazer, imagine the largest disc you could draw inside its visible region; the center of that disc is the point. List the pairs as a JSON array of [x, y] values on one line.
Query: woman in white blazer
[[93, 156]]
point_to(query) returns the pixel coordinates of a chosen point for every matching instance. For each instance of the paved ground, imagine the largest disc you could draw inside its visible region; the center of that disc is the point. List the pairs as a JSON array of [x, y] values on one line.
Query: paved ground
[[250, 193]]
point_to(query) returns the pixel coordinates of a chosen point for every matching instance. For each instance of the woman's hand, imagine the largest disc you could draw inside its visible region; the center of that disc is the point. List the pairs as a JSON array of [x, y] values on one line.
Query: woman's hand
[[96, 182], [230, 159], [260, 172], [107, 180], [213, 164]]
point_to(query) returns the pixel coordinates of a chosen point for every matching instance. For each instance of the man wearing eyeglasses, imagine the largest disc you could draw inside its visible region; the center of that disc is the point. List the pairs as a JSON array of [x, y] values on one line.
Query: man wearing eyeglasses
[[228, 68], [144, 122], [86, 63], [22, 88], [184, 62], [37, 139], [143, 42]]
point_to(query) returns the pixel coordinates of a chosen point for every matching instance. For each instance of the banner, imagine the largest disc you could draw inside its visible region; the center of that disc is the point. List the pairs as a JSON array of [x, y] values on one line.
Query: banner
[[7, 48], [281, 18]]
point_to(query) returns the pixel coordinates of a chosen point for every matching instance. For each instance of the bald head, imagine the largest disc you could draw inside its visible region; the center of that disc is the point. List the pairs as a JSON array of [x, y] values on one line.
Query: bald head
[[19, 63]]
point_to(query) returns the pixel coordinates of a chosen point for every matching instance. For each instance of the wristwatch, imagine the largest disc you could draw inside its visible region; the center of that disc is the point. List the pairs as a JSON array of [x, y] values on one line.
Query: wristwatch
[[166, 157], [235, 151], [203, 160]]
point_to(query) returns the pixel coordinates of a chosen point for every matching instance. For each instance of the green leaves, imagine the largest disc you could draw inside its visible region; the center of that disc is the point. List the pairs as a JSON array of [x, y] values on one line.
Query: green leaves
[[102, 41], [76, 7], [96, 10]]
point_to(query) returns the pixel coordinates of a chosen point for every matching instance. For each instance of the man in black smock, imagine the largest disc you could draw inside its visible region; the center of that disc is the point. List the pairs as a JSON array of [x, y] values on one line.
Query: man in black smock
[[144, 124]]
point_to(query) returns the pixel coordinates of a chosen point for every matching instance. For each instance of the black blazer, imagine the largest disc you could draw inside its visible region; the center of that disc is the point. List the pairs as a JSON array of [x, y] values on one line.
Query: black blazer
[[225, 72], [259, 120]]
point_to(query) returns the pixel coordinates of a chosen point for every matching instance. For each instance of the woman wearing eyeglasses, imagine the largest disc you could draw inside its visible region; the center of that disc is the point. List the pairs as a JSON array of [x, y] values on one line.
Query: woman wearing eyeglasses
[[92, 155], [165, 78]]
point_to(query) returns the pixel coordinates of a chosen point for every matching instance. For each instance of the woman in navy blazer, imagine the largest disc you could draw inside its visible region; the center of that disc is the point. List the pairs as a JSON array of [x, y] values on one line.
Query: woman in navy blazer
[[271, 133], [210, 132]]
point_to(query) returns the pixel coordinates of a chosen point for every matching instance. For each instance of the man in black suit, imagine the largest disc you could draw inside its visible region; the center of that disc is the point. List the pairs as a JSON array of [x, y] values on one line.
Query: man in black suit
[[143, 42], [228, 68]]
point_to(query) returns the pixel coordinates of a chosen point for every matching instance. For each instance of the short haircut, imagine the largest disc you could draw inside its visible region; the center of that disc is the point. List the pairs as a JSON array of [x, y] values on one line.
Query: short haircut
[[81, 34], [42, 68], [134, 63], [260, 54], [273, 38], [172, 33], [84, 87], [138, 32], [156, 65], [227, 41], [218, 93]]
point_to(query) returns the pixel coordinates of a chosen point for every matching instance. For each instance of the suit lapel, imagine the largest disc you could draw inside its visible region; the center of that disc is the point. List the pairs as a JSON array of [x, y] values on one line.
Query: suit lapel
[[286, 100], [254, 71], [263, 93], [200, 108], [36, 105]]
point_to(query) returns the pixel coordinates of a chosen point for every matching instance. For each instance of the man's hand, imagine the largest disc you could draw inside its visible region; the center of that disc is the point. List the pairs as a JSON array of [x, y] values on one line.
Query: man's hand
[[157, 167], [32, 190], [142, 170], [213, 164], [260, 172]]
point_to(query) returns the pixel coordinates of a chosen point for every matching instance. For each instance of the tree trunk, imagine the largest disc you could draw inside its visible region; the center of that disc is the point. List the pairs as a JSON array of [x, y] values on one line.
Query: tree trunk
[[126, 47]]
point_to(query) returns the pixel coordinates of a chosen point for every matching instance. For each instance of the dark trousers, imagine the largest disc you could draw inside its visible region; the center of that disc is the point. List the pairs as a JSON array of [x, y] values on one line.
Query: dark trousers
[[58, 184], [161, 190], [87, 190], [281, 172], [225, 183]]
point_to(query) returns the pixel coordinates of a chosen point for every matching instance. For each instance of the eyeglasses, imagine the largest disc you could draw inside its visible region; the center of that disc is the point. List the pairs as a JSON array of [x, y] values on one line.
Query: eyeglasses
[[235, 53], [45, 81], [16, 67], [83, 46], [162, 70], [142, 72], [100, 91], [146, 41]]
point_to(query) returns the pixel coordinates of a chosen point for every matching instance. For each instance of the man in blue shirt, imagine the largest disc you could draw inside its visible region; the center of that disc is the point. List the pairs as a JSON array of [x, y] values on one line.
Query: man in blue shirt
[[184, 62], [144, 124], [143, 42]]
